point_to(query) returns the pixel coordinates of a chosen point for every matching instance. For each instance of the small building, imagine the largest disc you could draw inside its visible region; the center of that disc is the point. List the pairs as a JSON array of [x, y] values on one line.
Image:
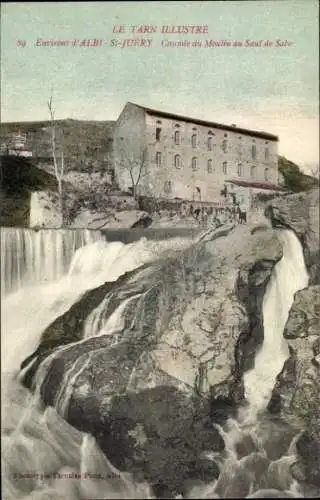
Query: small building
[[246, 194], [16, 145], [172, 156]]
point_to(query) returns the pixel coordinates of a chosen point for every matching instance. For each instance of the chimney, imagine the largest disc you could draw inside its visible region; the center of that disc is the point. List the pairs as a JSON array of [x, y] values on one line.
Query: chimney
[[233, 125]]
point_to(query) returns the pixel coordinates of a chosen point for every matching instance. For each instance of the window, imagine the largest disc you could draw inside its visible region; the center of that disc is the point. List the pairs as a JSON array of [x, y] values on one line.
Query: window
[[177, 161], [194, 163], [158, 133], [266, 153], [122, 158], [254, 151], [266, 174], [225, 167], [167, 187], [177, 137], [209, 166], [194, 140], [239, 169], [158, 159], [224, 145], [197, 194], [253, 172], [210, 143]]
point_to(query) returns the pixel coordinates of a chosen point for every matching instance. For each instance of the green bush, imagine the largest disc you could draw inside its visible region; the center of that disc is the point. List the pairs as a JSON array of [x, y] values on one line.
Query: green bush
[[294, 178]]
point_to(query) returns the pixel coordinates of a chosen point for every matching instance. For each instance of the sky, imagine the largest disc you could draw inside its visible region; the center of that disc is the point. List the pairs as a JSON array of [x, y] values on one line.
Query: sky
[[271, 88]]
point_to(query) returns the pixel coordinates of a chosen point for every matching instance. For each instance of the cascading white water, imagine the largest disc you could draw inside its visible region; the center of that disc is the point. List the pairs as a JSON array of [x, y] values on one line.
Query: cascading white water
[[29, 257], [67, 452], [288, 276], [43, 445]]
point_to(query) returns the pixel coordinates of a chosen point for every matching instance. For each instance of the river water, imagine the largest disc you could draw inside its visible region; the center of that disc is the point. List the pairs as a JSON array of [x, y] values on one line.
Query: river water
[[43, 274]]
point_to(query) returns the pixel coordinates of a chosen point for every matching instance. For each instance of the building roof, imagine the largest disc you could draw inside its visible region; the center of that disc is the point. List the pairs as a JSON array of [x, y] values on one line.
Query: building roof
[[258, 185], [233, 128]]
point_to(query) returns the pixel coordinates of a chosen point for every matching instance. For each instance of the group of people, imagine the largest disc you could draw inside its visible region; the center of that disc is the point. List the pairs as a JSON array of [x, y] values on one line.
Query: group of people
[[208, 215], [205, 215]]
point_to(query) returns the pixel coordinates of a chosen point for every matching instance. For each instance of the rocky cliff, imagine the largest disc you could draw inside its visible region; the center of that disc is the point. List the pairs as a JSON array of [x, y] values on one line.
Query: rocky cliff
[[149, 387], [300, 213], [296, 393]]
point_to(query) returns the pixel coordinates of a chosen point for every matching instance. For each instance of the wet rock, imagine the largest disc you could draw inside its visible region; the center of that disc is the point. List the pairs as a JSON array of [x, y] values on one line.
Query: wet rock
[[304, 318], [308, 448], [234, 482], [246, 446], [221, 409], [296, 392], [149, 392], [279, 473], [144, 221], [69, 327], [276, 436], [159, 432], [258, 465], [297, 472]]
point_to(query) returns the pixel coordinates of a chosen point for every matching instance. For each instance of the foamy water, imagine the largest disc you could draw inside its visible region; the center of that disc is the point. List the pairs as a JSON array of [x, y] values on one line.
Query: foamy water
[[60, 461], [288, 276], [43, 456]]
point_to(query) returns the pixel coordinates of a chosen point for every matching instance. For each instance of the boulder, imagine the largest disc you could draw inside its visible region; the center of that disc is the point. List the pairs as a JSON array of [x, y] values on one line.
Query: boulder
[[110, 219], [308, 448], [144, 221], [150, 391], [296, 395]]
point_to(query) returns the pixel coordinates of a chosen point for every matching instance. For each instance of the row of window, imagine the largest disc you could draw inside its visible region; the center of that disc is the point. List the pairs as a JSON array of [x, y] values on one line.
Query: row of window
[[211, 146], [195, 166]]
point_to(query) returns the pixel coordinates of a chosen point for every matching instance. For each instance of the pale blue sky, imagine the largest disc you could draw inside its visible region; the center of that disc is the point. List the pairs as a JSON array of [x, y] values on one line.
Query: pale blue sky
[[272, 89]]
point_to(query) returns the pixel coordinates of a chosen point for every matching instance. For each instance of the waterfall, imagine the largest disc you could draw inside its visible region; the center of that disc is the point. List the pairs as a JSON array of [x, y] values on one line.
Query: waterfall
[[253, 430], [61, 461], [288, 276], [49, 271], [29, 256]]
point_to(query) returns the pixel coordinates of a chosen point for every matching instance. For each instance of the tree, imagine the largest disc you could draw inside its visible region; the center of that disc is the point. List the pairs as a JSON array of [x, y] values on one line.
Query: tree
[[294, 178], [135, 166], [314, 171], [58, 162]]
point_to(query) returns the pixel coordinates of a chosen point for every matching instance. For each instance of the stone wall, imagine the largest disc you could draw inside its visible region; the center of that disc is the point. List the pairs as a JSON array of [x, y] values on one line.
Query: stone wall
[[171, 176], [185, 180], [128, 146]]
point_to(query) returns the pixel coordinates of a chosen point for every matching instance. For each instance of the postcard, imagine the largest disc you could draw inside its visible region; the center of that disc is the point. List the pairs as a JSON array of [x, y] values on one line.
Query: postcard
[[160, 279]]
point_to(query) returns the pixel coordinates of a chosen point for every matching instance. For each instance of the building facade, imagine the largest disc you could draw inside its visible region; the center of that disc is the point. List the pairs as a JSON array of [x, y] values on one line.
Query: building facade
[[172, 156]]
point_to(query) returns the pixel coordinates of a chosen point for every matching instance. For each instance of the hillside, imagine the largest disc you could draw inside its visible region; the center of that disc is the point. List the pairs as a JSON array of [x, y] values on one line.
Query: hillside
[[294, 178], [86, 144]]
